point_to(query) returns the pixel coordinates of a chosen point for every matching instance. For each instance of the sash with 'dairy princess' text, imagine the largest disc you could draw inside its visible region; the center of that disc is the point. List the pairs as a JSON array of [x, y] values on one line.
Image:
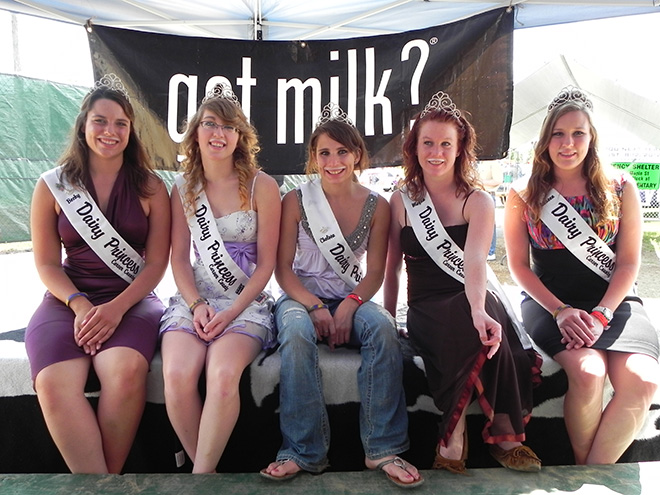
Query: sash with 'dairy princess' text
[[575, 234], [229, 278], [91, 224], [442, 249], [327, 234]]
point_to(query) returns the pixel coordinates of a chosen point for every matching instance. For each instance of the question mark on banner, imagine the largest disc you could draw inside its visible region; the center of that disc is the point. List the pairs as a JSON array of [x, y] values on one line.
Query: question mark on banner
[[417, 74]]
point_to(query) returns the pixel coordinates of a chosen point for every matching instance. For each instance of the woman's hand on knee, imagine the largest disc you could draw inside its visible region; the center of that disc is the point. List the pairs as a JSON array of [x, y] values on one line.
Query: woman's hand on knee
[[577, 328], [324, 324]]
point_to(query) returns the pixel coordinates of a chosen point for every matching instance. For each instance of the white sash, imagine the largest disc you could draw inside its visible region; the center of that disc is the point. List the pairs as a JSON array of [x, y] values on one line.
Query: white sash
[[92, 225], [576, 235], [442, 249], [229, 278], [327, 234]]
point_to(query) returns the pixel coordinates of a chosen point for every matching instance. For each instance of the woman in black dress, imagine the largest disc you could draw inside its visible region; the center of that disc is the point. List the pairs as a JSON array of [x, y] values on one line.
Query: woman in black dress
[[592, 324]]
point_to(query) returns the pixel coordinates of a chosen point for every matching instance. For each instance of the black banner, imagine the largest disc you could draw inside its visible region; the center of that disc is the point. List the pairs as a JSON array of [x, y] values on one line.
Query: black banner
[[381, 81]]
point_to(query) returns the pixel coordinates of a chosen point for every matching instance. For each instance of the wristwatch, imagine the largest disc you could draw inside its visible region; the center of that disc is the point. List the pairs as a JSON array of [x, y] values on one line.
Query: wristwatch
[[606, 312]]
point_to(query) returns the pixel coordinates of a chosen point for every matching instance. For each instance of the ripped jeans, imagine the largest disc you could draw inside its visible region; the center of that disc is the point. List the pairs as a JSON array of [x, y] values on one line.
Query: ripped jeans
[[303, 416]]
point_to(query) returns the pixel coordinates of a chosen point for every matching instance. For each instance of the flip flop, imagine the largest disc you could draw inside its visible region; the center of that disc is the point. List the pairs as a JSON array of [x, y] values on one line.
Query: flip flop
[[400, 463], [278, 478]]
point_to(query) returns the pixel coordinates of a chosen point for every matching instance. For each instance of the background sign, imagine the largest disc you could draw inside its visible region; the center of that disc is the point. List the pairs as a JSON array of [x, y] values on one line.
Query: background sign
[[647, 175], [380, 81]]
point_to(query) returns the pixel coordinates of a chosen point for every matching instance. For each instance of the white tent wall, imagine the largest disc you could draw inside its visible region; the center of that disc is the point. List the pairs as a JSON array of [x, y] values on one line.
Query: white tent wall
[[305, 20], [621, 115]]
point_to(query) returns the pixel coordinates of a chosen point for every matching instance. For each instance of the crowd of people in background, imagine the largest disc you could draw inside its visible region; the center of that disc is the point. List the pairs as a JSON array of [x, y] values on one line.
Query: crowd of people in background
[[573, 241]]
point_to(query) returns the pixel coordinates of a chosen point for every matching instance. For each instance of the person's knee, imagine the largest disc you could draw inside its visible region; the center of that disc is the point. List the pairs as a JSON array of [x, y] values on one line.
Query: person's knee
[[375, 323], [51, 392], [294, 325], [223, 381], [587, 377], [127, 377], [179, 379], [638, 390]]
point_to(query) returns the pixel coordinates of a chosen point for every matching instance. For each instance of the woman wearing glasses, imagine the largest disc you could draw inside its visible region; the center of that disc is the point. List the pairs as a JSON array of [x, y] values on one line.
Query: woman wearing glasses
[[220, 319]]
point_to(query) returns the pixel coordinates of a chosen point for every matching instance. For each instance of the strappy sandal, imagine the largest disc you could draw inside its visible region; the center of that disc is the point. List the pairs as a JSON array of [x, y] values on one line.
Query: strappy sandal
[[456, 466], [400, 463], [285, 477]]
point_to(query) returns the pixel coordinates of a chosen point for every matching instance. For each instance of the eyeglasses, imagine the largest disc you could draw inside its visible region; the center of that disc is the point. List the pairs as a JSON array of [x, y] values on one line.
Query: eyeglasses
[[213, 126]]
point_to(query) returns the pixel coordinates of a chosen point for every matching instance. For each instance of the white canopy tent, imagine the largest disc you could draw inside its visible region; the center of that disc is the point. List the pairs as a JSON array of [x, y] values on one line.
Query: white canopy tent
[[621, 115], [307, 20], [622, 111]]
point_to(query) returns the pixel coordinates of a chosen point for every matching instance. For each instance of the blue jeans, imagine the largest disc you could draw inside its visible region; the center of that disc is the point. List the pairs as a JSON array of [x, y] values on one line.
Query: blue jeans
[[303, 415]]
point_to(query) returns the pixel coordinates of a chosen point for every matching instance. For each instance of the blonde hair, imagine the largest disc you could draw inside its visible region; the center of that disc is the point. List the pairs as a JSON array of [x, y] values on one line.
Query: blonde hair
[[245, 154]]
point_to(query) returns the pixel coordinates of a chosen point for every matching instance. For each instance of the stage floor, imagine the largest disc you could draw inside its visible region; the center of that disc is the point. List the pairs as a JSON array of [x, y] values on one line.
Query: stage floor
[[625, 479]]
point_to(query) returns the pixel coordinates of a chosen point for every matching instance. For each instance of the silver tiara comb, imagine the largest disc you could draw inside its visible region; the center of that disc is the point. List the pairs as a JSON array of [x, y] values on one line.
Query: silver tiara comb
[[333, 112], [222, 90], [113, 83], [441, 101], [571, 94]]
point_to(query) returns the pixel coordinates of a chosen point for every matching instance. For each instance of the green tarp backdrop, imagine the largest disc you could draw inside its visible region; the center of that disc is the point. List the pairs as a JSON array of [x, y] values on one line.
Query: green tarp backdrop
[[36, 118]]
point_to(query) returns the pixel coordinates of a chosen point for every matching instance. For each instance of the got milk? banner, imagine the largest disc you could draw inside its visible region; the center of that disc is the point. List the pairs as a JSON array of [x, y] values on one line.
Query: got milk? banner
[[382, 82]]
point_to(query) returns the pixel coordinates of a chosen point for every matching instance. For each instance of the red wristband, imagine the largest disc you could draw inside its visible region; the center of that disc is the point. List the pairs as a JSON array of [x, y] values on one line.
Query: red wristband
[[600, 317], [355, 298]]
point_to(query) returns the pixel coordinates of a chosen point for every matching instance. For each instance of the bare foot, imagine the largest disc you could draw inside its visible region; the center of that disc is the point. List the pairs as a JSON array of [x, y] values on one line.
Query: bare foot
[[281, 469], [403, 471], [454, 448]]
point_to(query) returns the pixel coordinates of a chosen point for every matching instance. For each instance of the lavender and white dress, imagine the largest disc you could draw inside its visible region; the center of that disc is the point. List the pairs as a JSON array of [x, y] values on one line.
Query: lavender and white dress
[[238, 231]]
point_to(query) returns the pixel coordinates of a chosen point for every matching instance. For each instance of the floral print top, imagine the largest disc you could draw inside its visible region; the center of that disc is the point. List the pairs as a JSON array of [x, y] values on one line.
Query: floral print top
[[542, 238]]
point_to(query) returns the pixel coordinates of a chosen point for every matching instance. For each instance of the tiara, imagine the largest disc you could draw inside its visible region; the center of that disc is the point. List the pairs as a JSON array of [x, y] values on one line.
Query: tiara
[[441, 101], [222, 90], [333, 111], [113, 83], [570, 94]]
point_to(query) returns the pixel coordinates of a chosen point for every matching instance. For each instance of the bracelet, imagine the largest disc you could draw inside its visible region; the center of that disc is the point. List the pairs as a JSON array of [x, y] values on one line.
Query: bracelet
[[197, 302], [601, 318], [356, 298], [317, 306], [561, 308], [74, 295]]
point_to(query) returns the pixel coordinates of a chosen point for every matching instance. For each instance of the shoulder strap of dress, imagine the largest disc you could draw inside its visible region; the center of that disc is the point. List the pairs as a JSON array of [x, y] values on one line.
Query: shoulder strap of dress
[[465, 202], [254, 181]]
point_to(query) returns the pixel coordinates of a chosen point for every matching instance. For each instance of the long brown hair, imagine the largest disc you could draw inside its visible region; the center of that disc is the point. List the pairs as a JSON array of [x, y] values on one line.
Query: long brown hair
[[343, 133], [75, 158], [245, 154], [465, 173], [599, 186]]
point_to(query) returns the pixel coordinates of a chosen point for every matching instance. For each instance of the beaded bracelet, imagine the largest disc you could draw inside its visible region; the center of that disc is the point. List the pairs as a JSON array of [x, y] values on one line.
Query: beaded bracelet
[[561, 308], [197, 302], [317, 306], [355, 298], [74, 295]]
